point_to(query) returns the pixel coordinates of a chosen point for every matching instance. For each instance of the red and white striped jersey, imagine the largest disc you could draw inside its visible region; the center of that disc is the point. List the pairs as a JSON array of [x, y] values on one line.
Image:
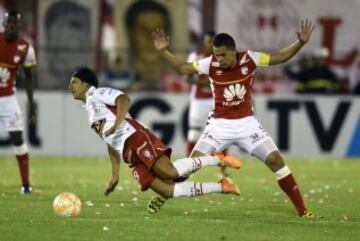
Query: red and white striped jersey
[[12, 56], [199, 91], [101, 109], [232, 87]]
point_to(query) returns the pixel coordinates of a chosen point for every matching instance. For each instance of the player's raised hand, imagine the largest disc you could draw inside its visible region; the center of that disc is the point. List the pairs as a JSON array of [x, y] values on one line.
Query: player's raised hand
[[110, 131], [111, 186], [305, 32], [161, 40]]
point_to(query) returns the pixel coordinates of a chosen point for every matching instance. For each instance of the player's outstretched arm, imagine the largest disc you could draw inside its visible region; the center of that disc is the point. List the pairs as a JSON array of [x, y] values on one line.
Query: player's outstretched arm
[[115, 164], [162, 42], [287, 53], [122, 107]]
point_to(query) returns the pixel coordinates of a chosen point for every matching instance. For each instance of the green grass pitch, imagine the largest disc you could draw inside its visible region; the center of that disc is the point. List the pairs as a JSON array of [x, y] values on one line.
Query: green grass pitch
[[262, 212]]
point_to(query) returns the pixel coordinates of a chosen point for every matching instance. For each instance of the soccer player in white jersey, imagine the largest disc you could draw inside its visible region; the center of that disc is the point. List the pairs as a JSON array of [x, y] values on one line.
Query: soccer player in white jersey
[[15, 52], [146, 155], [233, 121]]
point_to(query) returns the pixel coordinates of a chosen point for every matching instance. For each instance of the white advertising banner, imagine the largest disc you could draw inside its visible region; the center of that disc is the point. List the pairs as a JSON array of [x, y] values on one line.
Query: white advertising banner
[[302, 126]]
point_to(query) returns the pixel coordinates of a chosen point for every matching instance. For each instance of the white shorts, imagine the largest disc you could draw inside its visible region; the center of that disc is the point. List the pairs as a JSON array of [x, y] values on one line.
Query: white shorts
[[10, 114], [246, 133], [199, 112]]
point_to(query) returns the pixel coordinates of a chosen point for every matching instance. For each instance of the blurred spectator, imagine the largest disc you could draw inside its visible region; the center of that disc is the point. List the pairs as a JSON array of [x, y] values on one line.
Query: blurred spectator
[[313, 75], [147, 67], [115, 75], [68, 37]]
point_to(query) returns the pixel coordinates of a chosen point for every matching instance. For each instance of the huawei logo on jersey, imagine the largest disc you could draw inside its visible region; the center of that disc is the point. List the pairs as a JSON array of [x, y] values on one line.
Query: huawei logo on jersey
[[233, 91], [4, 76], [244, 70]]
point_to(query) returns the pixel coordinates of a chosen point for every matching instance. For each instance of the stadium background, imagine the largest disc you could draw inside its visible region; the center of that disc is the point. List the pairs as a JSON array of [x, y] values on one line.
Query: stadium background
[[94, 32]]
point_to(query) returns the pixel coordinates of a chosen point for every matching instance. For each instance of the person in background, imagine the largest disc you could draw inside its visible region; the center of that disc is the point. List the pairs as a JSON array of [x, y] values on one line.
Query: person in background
[[201, 101], [16, 53], [314, 75]]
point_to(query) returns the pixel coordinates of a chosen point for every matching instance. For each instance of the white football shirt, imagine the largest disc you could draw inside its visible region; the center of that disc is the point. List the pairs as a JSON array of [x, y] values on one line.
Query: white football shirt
[[101, 109]]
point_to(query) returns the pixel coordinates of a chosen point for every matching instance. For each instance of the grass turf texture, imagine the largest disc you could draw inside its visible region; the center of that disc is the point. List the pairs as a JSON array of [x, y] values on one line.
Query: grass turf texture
[[262, 212]]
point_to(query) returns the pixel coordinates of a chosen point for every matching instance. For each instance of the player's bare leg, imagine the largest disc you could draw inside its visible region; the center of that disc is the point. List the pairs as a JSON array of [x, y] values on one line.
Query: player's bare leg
[[22, 156]]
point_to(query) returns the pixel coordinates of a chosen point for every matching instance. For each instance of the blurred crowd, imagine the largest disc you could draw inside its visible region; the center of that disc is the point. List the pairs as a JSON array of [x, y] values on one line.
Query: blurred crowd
[[139, 68]]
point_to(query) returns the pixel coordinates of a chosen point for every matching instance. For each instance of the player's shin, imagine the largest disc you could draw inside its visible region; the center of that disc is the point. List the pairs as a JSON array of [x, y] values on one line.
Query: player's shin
[[22, 156], [288, 184]]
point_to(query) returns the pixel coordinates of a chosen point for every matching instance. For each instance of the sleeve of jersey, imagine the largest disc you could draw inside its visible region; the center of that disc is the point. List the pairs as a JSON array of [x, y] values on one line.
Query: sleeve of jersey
[[192, 57], [260, 58], [202, 66], [108, 95], [30, 59]]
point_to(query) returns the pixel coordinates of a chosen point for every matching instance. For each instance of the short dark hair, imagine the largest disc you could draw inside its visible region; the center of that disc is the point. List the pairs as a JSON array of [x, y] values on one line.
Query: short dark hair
[[85, 74], [224, 39], [146, 6]]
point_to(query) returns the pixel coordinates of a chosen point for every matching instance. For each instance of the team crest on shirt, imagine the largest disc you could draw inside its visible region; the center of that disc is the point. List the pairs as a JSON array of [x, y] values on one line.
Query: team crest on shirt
[[244, 70], [234, 95], [16, 59]]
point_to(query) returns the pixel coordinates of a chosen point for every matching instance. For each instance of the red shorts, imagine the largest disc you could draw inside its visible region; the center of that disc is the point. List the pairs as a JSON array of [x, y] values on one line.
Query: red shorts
[[141, 151]]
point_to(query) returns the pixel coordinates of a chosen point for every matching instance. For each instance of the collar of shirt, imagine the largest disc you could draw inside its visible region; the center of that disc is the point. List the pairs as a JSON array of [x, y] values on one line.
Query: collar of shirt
[[88, 93]]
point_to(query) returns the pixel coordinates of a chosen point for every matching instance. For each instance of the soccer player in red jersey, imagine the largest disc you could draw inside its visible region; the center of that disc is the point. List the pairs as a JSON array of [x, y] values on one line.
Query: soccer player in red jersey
[[146, 155], [16, 53], [233, 121]]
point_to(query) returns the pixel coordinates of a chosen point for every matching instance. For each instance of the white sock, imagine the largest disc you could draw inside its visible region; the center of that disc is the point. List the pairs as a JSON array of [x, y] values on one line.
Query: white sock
[[186, 166], [282, 172], [20, 150], [191, 189]]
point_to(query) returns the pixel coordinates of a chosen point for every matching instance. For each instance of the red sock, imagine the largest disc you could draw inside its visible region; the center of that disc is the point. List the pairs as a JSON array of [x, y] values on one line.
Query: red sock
[[23, 161], [290, 187], [189, 147]]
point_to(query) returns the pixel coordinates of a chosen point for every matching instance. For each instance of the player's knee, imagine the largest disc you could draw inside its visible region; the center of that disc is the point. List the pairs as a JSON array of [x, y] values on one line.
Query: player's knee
[[193, 134], [196, 153], [274, 160], [165, 170], [166, 192]]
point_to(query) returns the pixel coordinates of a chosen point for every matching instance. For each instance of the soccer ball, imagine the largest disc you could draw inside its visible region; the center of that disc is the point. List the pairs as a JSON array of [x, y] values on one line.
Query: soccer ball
[[67, 204]]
